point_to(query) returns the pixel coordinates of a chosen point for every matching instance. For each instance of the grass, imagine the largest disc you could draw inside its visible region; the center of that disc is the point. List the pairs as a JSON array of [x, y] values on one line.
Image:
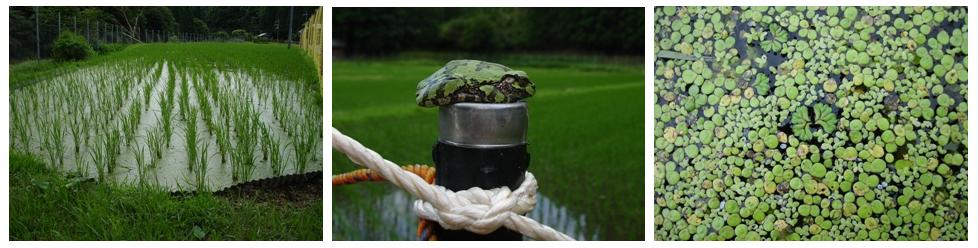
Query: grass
[[68, 208], [586, 136]]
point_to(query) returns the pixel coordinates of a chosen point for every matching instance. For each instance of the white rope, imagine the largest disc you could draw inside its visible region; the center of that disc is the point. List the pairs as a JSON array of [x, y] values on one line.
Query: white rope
[[476, 210]]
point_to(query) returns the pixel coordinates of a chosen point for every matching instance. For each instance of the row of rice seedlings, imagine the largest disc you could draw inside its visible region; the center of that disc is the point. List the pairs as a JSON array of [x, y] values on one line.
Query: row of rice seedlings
[[191, 136], [200, 171], [148, 93], [166, 115], [142, 165], [157, 143], [120, 92], [20, 124], [114, 139], [100, 156], [271, 150], [222, 131], [77, 130], [246, 137], [53, 142], [130, 122], [299, 116], [210, 82], [184, 97], [303, 141], [105, 154], [204, 105]]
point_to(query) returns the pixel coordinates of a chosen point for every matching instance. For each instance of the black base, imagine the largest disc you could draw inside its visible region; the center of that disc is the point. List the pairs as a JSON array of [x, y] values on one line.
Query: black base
[[460, 168]]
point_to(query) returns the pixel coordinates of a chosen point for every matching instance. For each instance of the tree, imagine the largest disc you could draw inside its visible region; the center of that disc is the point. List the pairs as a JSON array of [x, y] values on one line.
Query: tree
[[199, 27], [22, 36], [130, 18], [240, 34]]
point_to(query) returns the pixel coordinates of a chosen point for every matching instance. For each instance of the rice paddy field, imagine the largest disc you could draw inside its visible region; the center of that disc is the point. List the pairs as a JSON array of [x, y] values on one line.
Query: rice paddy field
[[155, 123], [811, 123], [585, 142]]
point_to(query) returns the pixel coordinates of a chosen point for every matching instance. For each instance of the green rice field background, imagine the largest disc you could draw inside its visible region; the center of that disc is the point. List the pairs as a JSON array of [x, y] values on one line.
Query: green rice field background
[[585, 142]]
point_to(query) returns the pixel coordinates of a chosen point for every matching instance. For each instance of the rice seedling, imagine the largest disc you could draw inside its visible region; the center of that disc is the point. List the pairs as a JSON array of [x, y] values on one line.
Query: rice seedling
[[20, 125], [270, 145], [166, 114], [54, 142], [147, 93], [222, 136], [142, 167], [190, 133], [302, 147], [244, 150], [131, 121], [76, 129], [184, 99], [263, 137], [200, 171], [86, 126], [156, 142], [113, 141], [100, 158]]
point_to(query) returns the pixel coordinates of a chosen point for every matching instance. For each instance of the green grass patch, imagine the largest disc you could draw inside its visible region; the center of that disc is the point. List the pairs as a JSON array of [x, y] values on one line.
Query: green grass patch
[[586, 136], [273, 57], [46, 205]]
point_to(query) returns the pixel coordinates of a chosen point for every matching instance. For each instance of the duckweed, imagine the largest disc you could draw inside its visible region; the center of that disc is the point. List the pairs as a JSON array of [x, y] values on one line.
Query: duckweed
[[811, 123]]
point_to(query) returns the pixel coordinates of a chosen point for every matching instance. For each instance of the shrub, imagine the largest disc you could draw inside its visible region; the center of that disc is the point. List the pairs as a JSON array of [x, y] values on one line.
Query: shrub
[[240, 34], [110, 48], [221, 35], [70, 46]]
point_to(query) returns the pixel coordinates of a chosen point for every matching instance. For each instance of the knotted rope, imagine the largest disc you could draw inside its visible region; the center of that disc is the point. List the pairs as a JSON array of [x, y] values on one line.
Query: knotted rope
[[475, 210]]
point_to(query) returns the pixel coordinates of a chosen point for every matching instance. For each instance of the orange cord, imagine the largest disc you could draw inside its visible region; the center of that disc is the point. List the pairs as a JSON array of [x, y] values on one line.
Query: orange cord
[[362, 175]]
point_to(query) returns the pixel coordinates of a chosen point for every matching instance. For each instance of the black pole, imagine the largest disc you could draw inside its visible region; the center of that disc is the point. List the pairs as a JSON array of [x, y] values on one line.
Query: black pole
[[37, 27], [291, 9], [481, 145]]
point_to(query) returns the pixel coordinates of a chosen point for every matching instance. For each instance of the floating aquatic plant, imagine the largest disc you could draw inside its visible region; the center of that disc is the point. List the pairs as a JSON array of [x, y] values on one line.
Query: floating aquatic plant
[[802, 123], [812, 123]]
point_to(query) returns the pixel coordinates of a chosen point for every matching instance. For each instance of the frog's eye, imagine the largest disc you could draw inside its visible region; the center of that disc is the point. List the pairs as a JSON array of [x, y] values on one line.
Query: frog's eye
[[508, 79]]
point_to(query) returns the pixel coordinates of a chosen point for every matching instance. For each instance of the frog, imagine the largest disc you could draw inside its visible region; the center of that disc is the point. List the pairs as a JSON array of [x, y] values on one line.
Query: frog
[[473, 81]]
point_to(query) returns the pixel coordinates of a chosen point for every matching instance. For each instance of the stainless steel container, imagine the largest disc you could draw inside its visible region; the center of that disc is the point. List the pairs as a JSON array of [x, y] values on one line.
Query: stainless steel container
[[483, 125]]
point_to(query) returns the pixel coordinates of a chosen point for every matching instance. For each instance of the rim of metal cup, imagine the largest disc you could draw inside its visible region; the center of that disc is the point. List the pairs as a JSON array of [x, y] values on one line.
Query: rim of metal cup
[[483, 125]]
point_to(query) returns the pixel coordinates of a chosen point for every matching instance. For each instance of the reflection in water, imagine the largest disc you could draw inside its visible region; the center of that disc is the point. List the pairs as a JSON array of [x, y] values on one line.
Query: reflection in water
[[396, 221]]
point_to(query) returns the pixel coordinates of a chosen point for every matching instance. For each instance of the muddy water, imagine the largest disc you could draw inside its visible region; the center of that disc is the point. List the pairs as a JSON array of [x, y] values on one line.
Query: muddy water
[[390, 217], [172, 172]]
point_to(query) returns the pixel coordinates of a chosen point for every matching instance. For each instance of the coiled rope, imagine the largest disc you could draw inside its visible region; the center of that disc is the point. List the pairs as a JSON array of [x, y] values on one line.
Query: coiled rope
[[475, 210]]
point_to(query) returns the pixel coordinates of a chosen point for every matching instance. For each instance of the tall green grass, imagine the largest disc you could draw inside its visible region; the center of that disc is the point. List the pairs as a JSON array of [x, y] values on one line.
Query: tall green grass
[[49, 206]]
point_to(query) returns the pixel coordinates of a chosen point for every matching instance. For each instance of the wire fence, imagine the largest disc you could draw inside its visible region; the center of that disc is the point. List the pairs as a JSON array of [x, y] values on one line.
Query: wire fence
[[311, 39], [47, 26]]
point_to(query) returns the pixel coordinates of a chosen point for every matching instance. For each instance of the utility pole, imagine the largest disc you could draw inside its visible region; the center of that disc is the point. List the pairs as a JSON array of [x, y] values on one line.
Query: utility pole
[[291, 9]]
